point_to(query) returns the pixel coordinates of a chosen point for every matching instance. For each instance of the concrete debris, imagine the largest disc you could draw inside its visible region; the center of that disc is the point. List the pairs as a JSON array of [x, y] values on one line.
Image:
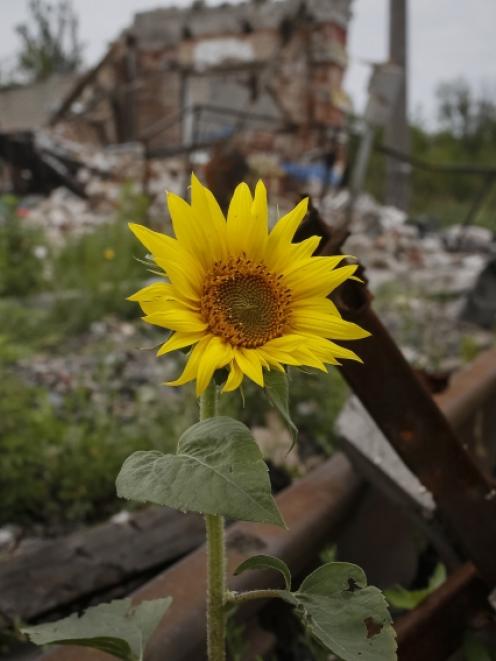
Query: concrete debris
[[62, 214], [118, 381], [480, 306], [8, 538], [468, 239], [106, 175], [390, 247], [433, 288]]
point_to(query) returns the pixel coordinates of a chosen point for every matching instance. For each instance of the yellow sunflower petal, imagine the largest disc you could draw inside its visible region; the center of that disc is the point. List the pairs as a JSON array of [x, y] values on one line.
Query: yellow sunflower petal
[[318, 280], [273, 356], [234, 378], [191, 232], [163, 296], [216, 354], [284, 231], [337, 351], [305, 248], [177, 319], [191, 368], [293, 350], [152, 292], [327, 326], [238, 216], [206, 208], [159, 245], [215, 210], [187, 281], [317, 303], [179, 340], [257, 228], [177, 263], [249, 363]]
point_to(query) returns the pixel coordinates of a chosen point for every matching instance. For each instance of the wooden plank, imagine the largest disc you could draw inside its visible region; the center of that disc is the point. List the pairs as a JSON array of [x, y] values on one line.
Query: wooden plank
[[62, 571]]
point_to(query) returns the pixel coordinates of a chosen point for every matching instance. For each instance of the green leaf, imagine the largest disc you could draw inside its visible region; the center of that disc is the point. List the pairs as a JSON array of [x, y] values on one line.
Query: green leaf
[[349, 618], [277, 389], [115, 628], [266, 562], [218, 469], [400, 597]]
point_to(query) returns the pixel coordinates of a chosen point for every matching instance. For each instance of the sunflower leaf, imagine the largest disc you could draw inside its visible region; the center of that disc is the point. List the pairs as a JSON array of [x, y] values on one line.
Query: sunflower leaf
[[277, 389], [218, 469], [348, 617], [115, 628], [266, 562]]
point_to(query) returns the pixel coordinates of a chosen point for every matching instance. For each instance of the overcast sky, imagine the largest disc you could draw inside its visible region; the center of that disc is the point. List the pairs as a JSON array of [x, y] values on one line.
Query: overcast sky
[[448, 38]]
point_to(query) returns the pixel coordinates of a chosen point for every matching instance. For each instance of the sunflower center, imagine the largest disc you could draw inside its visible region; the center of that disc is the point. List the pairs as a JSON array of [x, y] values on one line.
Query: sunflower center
[[244, 303]]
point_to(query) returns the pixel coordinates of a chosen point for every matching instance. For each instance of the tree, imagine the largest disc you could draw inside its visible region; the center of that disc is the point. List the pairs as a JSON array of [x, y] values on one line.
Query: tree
[[50, 41], [468, 116], [456, 107]]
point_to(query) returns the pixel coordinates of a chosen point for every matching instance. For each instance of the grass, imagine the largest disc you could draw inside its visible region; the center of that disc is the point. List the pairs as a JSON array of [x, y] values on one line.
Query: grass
[[60, 455]]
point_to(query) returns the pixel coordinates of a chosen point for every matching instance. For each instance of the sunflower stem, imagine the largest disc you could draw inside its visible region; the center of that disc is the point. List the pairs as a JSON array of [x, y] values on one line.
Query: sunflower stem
[[216, 563]]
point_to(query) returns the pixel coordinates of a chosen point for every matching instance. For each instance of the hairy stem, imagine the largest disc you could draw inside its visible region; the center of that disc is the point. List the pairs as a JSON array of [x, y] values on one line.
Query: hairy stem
[[216, 570]]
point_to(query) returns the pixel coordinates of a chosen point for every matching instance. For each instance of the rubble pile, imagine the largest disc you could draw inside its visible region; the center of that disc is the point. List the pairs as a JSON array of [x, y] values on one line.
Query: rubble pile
[[103, 175], [109, 369], [422, 277]]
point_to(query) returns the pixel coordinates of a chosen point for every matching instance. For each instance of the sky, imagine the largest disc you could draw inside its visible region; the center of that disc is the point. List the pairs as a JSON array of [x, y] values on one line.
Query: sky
[[447, 39]]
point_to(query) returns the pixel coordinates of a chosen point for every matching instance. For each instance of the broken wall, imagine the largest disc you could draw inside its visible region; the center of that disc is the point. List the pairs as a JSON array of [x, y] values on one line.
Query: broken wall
[[284, 60]]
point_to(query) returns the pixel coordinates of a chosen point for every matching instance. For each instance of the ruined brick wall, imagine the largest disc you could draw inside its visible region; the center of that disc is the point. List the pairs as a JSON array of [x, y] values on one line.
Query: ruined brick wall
[[282, 60]]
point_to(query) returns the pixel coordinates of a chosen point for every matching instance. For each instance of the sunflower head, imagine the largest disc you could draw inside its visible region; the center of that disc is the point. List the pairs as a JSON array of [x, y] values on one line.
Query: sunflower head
[[243, 297]]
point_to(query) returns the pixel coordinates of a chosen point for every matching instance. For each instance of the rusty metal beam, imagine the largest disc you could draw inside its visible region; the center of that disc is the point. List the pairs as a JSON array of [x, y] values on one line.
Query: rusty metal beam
[[435, 629], [412, 421], [469, 389], [313, 508], [420, 433]]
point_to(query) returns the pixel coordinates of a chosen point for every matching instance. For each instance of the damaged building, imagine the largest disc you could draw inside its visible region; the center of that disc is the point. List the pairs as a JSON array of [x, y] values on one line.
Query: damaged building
[[179, 79], [228, 84]]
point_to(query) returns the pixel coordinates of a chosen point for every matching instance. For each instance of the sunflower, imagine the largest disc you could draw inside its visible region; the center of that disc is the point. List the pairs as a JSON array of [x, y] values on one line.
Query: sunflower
[[242, 297]]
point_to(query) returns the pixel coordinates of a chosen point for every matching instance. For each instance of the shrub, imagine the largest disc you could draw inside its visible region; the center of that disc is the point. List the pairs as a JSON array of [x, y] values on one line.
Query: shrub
[[22, 248]]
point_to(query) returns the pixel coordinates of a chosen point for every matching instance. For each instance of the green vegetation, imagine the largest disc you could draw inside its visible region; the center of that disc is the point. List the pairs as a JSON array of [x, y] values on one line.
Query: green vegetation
[[403, 599], [49, 295], [59, 459], [466, 135], [21, 249], [60, 449], [49, 40]]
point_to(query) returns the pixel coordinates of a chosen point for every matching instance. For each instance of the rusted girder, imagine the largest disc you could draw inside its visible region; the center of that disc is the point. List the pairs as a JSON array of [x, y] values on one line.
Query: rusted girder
[[412, 421], [414, 424]]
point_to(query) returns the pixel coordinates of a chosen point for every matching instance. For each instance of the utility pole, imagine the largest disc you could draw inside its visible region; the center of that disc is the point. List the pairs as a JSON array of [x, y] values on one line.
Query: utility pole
[[397, 134]]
